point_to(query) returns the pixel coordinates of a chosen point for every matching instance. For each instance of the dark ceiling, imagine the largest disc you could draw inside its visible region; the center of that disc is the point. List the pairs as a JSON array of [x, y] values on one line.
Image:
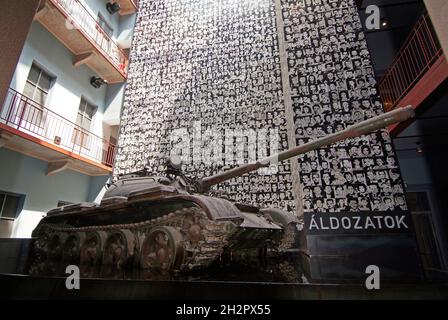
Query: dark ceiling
[[385, 43]]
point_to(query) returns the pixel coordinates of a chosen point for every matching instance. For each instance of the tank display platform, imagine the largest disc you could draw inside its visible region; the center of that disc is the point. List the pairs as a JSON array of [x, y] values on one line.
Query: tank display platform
[[26, 287]]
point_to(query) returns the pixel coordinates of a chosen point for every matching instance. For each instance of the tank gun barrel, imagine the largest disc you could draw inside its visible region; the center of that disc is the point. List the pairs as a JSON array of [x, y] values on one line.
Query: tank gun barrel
[[368, 126]]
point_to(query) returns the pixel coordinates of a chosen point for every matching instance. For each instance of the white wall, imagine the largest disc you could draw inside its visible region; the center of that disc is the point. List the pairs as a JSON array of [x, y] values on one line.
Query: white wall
[[25, 175], [127, 24], [114, 101], [99, 6], [120, 25]]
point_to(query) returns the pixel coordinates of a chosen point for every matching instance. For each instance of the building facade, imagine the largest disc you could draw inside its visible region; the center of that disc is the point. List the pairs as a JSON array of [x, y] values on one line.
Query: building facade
[[59, 120]]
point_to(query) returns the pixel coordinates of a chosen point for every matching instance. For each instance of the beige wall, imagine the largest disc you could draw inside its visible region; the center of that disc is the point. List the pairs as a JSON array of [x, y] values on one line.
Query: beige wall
[[15, 20], [438, 11]]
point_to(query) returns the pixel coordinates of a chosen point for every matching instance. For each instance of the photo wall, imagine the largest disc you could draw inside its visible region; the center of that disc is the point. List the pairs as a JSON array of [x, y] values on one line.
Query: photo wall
[[220, 73], [333, 86]]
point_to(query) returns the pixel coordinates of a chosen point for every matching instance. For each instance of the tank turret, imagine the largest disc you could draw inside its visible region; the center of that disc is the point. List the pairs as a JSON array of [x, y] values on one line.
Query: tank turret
[[166, 225]]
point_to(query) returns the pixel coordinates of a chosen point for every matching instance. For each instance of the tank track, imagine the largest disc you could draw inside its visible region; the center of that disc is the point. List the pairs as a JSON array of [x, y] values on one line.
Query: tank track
[[182, 240]]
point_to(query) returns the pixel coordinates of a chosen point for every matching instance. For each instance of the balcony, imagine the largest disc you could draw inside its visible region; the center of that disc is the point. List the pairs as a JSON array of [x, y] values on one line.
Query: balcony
[[71, 23], [418, 69], [32, 129], [127, 7]]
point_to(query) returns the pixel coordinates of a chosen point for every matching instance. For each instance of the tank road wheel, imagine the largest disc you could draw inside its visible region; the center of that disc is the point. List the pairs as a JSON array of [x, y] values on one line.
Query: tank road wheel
[[72, 248], [191, 226], [162, 250], [115, 250], [39, 254], [55, 246], [91, 253], [119, 248]]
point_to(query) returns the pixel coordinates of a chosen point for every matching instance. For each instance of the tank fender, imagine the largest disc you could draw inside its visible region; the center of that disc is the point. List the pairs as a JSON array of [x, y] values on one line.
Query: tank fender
[[284, 218]]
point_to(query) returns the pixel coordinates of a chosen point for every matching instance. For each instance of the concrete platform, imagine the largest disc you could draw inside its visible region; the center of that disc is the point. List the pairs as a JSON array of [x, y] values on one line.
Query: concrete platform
[[26, 287]]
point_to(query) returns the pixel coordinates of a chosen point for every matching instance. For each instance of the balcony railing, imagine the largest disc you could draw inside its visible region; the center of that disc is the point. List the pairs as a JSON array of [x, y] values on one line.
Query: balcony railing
[[81, 19], [26, 115], [417, 55]]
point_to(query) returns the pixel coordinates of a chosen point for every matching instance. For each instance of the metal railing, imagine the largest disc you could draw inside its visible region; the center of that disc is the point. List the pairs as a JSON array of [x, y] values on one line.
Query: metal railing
[[417, 55], [28, 116], [83, 20], [135, 3]]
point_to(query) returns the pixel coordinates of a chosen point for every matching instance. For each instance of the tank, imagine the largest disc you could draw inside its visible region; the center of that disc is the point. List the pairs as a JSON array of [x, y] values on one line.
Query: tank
[[163, 226]]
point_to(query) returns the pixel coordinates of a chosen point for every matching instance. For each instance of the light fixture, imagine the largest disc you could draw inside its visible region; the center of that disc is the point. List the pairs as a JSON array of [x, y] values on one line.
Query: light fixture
[[113, 7], [385, 23], [97, 82], [419, 147]]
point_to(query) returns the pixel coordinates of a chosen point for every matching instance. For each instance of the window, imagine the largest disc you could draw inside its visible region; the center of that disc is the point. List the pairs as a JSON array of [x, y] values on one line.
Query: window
[[108, 156], [86, 112], [10, 205], [105, 26], [105, 33], [38, 85], [420, 207]]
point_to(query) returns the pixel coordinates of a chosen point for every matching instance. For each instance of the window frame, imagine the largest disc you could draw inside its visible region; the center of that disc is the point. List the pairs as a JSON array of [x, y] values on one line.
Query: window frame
[[20, 205], [36, 85], [82, 141], [430, 215], [32, 102], [101, 20]]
